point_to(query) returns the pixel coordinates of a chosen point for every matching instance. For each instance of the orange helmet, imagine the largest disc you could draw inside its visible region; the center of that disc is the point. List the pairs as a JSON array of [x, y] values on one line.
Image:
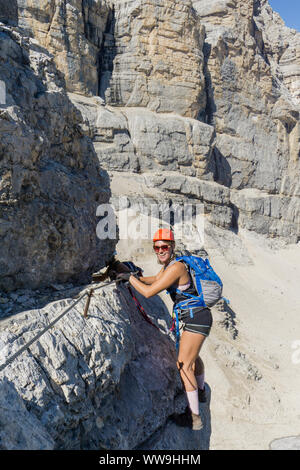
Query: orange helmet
[[163, 234]]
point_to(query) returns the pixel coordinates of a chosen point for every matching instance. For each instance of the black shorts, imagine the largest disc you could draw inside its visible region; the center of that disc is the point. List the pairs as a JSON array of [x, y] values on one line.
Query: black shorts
[[200, 323]]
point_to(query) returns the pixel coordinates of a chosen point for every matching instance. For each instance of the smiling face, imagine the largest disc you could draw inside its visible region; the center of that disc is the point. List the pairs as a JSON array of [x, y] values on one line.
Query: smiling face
[[163, 250]]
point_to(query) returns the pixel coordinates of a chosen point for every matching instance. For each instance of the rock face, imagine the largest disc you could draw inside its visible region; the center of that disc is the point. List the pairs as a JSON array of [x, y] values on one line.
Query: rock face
[[136, 53], [106, 382], [51, 182], [9, 12], [255, 116], [153, 57], [19, 428], [241, 99], [73, 33], [286, 443], [281, 47], [138, 140], [229, 64]]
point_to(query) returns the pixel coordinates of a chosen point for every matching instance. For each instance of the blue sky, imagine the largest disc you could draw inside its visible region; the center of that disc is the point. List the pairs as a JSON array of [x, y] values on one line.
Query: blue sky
[[289, 11]]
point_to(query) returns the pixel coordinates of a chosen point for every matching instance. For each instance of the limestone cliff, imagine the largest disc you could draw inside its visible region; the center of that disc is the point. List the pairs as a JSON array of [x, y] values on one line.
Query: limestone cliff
[[229, 64], [232, 65], [51, 182], [255, 114]]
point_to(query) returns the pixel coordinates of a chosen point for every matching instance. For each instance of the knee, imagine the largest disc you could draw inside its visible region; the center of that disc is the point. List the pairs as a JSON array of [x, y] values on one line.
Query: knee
[[185, 365]]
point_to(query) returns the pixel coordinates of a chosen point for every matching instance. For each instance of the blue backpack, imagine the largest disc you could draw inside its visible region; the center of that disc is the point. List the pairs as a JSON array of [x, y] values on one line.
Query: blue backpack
[[208, 286]]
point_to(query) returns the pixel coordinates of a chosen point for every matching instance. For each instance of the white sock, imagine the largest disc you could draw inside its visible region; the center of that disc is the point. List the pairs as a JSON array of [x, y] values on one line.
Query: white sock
[[200, 381], [192, 398]]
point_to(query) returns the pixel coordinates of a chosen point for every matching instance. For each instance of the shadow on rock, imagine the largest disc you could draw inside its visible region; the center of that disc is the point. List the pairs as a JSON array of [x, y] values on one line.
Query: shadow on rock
[[9, 12]]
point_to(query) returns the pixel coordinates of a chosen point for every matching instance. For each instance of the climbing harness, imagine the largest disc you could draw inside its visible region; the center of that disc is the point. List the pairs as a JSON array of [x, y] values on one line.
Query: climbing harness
[[207, 284]]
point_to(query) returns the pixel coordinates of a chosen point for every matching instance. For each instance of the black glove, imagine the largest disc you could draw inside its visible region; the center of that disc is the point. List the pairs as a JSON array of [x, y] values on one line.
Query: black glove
[[123, 277], [133, 268], [112, 274]]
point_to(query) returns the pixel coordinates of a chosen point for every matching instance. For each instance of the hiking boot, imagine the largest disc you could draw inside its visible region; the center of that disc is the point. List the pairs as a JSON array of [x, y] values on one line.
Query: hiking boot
[[188, 420], [202, 395]]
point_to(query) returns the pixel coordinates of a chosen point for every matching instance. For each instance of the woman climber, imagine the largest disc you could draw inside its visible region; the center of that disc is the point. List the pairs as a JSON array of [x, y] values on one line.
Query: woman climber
[[174, 275]]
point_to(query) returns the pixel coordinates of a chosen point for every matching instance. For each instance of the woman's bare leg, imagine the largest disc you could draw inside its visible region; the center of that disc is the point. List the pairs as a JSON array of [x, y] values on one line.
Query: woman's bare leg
[[190, 346]]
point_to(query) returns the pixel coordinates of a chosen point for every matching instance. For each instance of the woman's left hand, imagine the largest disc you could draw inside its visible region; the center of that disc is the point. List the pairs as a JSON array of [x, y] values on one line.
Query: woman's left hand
[[123, 277]]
